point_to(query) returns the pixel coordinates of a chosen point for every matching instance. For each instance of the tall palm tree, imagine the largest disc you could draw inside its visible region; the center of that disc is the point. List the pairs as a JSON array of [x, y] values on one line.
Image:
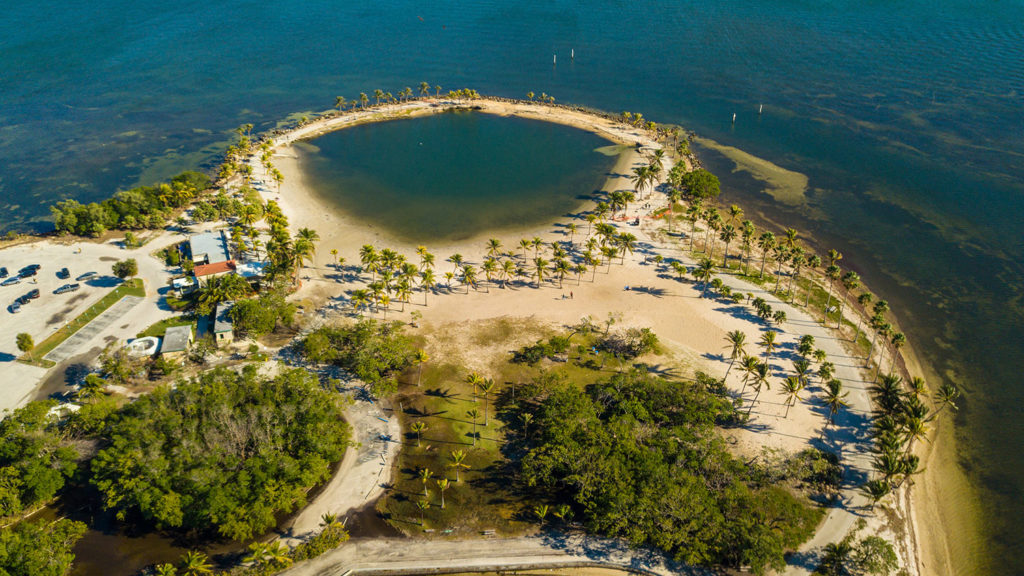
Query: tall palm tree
[[456, 260], [736, 341], [747, 233], [418, 427], [946, 396], [749, 367], [508, 270], [792, 386], [704, 272], [425, 476], [422, 505], [493, 247], [442, 485], [850, 281], [571, 229], [766, 243], [768, 342], [427, 283], [540, 265], [537, 244], [832, 273], [813, 262], [474, 379], [797, 261], [727, 234], [486, 388], [835, 398], [469, 276], [693, 212], [456, 460], [760, 383], [898, 340], [475, 415], [378, 94], [781, 255], [419, 358]]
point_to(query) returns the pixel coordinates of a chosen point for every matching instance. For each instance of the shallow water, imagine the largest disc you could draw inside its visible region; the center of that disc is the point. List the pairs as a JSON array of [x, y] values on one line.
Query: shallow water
[[455, 175], [906, 119]]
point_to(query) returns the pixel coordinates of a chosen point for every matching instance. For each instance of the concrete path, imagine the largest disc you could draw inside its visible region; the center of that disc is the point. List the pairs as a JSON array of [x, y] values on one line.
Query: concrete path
[[75, 343], [549, 550]]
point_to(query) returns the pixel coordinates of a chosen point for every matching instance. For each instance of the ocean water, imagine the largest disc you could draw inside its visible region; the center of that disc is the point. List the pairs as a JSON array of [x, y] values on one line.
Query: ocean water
[[906, 118], [457, 175]]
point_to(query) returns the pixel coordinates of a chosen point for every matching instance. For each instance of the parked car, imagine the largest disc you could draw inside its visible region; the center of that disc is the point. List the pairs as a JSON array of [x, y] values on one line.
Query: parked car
[[11, 281], [14, 308], [4, 273], [67, 288], [85, 276], [31, 268], [21, 300], [28, 272], [33, 294], [64, 274]]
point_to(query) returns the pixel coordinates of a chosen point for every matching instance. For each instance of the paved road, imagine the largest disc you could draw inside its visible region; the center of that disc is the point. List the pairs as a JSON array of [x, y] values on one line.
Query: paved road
[[75, 343]]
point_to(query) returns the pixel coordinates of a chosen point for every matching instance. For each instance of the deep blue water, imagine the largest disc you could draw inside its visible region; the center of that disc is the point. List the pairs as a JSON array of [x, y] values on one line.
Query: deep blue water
[[907, 117]]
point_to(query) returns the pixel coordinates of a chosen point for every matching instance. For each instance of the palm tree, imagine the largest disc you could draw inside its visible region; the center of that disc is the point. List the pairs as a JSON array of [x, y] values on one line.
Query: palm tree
[[832, 272], [540, 265], [850, 281], [526, 417], [541, 512], [760, 382], [537, 243], [813, 261], [703, 273], [425, 475], [802, 369], [475, 415], [378, 94], [427, 283], [456, 260], [736, 340], [947, 395], [508, 270], [626, 242], [442, 485], [766, 243], [277, 555], [727, 235], [369, 259], [418, 427], [693, 212], [571, 229], [469, 277], [781, 255], [747, 232], [792, 386], [769, 344], [749, 367], [486, 387], [835, 398], [457, 460], [562, 512], [876, 490], [474, 379], [195, 563], [422, 504], [898, 341]]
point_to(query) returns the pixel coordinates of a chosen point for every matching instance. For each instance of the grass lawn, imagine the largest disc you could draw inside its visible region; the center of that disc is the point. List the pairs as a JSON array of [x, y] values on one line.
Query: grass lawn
[[161, 327], [484, 498], [133, 287]]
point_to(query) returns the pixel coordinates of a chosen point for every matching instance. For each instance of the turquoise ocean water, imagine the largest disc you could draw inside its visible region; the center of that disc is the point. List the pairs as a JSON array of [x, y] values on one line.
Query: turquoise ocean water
[[907, 118]]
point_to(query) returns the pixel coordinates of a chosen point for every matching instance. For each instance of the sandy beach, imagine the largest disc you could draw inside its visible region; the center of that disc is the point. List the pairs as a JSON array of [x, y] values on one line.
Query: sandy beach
[[692, 328]]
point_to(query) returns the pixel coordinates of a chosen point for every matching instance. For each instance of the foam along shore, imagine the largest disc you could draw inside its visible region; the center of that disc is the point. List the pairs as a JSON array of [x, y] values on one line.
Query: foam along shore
[[692, 327]]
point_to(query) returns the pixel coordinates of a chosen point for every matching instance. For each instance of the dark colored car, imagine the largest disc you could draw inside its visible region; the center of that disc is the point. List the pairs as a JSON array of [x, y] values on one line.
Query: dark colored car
[[64, 274], [67, 288], [33, 294], [4, 273], [28, 272]]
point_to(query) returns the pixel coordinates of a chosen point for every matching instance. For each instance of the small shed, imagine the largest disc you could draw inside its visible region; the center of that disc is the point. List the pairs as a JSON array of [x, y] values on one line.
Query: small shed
[[223, 329], [176, 341]]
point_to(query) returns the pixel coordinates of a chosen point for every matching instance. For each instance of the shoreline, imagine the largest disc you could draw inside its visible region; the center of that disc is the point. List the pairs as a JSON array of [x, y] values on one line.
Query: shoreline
[[306, 209]]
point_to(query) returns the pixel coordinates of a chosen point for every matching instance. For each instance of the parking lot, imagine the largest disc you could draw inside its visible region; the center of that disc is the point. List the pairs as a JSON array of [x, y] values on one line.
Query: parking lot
[[43, 316]]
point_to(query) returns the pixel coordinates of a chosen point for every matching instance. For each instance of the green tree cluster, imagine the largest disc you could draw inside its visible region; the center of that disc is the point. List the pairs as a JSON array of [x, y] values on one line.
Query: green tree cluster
[[255, 317], [376, 352], [638, 457], [34, 463], [138, 208], [224, 453], [39, 548]]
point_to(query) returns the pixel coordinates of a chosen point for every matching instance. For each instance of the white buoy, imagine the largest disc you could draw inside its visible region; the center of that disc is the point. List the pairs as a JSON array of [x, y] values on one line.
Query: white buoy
[[733, 117], [572, 54], [554, 59], [760, 109]]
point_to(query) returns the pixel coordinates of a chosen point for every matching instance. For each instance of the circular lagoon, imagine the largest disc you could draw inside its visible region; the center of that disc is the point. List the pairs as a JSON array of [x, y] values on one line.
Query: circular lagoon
[[455, 175]]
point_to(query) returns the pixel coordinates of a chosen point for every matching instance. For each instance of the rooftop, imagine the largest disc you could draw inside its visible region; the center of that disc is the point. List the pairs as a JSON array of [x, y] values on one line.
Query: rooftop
[[222, 320], [176, 339], [209, 247], [251, 269], [218, 268]]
